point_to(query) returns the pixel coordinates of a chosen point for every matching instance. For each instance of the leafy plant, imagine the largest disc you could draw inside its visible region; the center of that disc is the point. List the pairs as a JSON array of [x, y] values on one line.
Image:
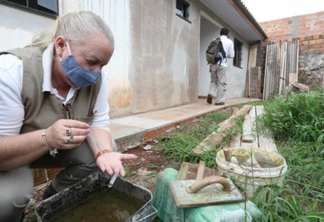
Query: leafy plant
[[297, 123]]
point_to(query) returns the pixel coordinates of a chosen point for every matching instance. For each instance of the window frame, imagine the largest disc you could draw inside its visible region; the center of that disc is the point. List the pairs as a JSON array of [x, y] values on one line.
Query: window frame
[[26, 7], [238, 49], [184, 14]]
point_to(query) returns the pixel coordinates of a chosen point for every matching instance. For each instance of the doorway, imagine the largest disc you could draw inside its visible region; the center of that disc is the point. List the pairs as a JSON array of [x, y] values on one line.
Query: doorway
[[208, 31]]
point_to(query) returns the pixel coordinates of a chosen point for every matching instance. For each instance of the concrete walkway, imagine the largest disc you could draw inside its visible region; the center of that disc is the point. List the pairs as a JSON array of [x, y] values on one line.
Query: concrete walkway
[[130, 131]]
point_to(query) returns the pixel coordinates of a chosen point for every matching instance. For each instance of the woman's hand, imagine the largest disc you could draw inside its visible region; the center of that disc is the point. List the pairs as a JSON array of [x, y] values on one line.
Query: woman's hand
[[112, 162], [66, 133]]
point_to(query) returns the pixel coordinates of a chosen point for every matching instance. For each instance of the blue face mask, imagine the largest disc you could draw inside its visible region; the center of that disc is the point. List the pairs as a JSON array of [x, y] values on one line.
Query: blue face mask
[[78, 76]]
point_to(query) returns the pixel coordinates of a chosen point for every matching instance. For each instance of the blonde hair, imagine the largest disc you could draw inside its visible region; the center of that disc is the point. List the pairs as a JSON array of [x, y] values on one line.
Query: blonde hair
[[75, 26]]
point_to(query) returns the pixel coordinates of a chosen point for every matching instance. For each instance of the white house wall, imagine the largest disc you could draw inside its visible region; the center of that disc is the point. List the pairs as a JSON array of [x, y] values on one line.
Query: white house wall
[[17, 27], [165, 61], [158, 56], [236, 76], [164, 56]]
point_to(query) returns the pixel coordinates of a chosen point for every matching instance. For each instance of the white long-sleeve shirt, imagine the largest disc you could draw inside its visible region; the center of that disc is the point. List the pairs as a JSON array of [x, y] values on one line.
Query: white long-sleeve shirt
[[228, 48], [12, 110]]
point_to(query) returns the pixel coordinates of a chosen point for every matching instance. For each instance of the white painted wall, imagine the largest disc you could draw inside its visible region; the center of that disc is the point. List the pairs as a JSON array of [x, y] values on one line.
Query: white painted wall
[[236, 77], [17, 27], [164, 60]]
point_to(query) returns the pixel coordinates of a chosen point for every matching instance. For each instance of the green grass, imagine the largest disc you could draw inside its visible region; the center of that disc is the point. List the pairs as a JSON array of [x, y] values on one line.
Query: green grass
[[296, 122], [179, 145], [301, 198]]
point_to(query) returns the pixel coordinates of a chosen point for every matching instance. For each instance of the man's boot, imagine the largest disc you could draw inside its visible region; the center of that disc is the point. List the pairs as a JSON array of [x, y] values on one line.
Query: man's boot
[[209, 99]]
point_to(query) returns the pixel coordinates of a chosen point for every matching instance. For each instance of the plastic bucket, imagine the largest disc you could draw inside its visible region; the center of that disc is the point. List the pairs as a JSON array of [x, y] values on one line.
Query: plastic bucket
[[252, 167], [79, 192]]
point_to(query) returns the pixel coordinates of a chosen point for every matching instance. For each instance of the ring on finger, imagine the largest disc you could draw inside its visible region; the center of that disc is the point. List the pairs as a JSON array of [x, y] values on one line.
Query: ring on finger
[[68, 139], [69, 131]]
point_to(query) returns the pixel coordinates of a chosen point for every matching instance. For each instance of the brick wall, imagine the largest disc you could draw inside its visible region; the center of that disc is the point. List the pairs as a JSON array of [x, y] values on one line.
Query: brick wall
[[309, 30]]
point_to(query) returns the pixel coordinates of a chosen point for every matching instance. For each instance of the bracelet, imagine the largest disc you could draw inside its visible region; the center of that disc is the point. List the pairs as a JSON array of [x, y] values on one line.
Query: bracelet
[[52, 152], [102, 152]]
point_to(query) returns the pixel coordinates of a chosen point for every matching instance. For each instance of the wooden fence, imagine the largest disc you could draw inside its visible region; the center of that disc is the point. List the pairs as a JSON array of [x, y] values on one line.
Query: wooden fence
[[281, 67]]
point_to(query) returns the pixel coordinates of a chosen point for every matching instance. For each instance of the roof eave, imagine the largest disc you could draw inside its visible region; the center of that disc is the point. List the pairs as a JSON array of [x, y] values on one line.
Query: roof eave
[[241, 8]]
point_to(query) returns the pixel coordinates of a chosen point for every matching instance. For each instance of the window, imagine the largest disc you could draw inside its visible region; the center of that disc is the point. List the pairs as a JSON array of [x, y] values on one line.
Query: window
[[182, 9], [49, 7], [237, 60]]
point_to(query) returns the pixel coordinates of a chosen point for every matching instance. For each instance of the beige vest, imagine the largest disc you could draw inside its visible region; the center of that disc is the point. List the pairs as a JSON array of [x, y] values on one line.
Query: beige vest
[[42, 109]]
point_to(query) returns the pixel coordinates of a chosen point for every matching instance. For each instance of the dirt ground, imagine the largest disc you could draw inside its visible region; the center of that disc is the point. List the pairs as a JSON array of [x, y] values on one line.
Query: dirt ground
[[150, 161]]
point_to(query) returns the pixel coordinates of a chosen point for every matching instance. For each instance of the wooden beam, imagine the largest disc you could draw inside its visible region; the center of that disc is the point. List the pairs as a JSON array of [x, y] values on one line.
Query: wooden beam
[[200, 171], [217, 137]]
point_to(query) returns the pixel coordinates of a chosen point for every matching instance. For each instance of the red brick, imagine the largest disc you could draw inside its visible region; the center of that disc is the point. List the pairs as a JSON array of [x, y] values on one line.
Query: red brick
[[317, 46], [312, 42], [303, 47]]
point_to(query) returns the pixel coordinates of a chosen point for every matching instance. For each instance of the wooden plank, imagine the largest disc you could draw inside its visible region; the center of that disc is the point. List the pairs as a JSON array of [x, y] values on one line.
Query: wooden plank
[[247, 136], [201, 169], [210, 195], [297, 59], [259, 83], [183, 171], [213, 139], [253, 53], [235, 109], [236, 141], [259, 110], [250, 138], [253, 115], [265, 78], [265, 139], [253, 82], [192, 170], [244, 110], [282, 73], [252, 145], [217, 137]]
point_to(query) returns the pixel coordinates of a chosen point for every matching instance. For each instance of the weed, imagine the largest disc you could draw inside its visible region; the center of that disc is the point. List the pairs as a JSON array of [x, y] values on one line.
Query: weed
[[297, 123], [153, 166], [179, 145]]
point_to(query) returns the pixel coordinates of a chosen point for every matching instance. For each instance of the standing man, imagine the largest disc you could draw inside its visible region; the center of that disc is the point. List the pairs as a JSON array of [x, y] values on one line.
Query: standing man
[[218, 81]]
